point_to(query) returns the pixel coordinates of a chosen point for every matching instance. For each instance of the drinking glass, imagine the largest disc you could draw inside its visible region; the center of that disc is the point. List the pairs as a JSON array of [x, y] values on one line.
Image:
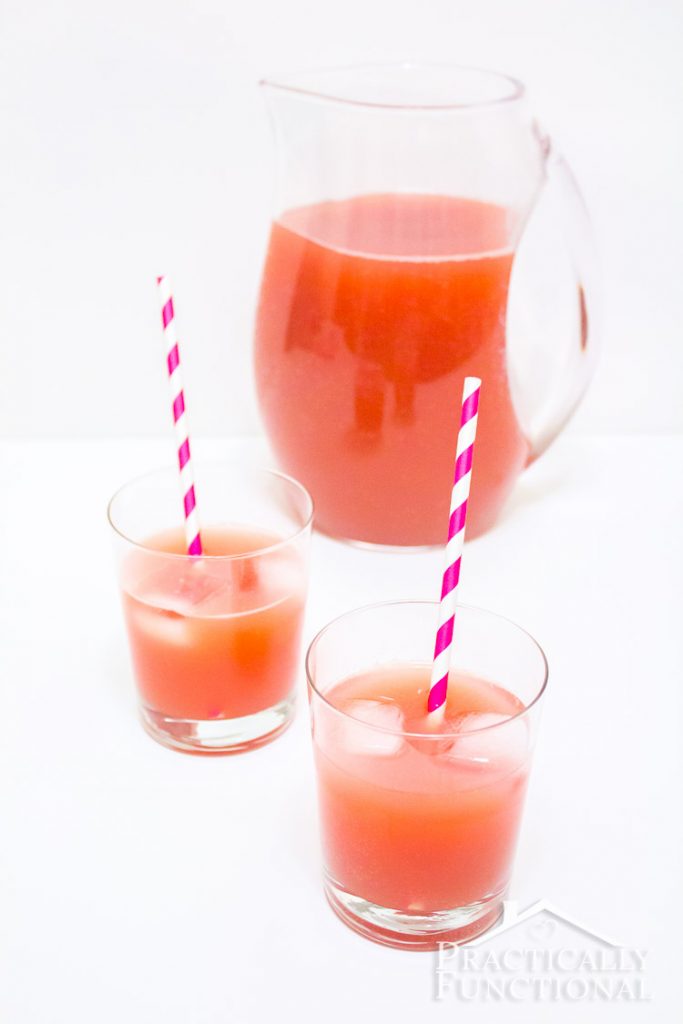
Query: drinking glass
[[419, 814], [214, 639]]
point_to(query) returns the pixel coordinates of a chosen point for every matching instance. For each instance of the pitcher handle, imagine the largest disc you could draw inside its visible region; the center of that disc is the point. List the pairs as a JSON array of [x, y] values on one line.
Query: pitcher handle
[[552, 320]]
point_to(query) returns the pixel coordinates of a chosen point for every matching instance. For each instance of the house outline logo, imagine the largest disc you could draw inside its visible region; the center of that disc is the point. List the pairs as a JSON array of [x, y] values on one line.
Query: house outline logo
[[511, 918], [540, 964]]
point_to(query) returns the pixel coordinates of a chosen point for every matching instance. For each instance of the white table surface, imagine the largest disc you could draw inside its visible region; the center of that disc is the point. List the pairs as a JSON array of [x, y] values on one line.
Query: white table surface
[[142, 885]]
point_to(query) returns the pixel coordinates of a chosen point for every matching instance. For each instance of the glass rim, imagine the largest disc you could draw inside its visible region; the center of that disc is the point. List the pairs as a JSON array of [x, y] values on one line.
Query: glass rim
[[426, 735], [514, 91], [215, 463]]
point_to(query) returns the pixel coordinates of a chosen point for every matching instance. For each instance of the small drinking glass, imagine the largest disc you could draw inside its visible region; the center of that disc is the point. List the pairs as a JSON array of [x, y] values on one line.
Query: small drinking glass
[[214, 639], [419, 814]]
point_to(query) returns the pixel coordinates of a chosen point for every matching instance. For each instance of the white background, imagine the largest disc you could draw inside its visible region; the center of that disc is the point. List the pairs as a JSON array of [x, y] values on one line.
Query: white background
[[139, 885], [134, 141]]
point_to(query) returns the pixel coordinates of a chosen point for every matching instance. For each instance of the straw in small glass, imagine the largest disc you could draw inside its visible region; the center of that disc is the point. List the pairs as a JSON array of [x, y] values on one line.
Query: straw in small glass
[[191, 521]]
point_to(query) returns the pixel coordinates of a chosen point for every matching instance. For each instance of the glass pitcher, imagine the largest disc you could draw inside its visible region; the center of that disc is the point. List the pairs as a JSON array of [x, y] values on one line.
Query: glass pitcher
[[424, 230]]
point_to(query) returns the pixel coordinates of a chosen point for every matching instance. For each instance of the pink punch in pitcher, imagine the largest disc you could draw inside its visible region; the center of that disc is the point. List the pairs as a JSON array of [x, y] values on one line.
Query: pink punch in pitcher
[[424, 230]]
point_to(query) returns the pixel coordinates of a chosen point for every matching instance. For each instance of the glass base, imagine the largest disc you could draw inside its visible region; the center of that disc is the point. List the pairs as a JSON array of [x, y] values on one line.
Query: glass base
[[403, 930], [371, 545], [397, 549], [389, 549], [219, 735]]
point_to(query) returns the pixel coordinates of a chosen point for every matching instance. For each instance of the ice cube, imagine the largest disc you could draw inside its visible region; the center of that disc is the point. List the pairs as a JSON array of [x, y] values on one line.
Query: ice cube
[[201, 587], [371, 727], [491, 740], [206, 587], [168, 587], [166, 627], [213, 595], [282, 573]]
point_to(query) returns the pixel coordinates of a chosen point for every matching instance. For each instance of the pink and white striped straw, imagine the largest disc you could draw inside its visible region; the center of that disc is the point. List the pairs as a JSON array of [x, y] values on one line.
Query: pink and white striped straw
[[456, 539], [194, 543]]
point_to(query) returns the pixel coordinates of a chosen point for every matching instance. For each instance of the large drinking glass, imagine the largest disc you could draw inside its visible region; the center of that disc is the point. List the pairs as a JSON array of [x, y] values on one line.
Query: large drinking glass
[[424, 229]]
